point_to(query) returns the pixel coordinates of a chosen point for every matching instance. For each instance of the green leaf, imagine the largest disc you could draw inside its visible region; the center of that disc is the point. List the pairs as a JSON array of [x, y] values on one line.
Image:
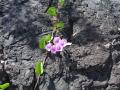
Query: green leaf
[[44, 40], [39, 68], [61, 2], [4, 86], [52, 11], [48, 37], [59, 24], [42, 43]]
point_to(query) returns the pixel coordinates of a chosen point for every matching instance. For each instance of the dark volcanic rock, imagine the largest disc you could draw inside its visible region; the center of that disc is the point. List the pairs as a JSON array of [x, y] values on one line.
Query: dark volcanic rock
[[89, 56], [115, 75], [92, 62]]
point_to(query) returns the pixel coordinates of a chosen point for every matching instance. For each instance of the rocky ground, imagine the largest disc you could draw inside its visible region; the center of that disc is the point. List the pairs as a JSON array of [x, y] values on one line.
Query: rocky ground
[[92, 62]]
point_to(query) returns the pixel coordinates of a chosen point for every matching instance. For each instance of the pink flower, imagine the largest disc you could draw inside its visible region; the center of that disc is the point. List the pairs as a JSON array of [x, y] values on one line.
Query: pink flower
[[48, 46], [63, 42], [53, 49], [56, 40], [59, 47]]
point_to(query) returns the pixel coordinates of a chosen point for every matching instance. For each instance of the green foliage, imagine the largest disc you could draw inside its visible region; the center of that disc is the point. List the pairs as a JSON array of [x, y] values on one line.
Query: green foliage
[[48, 38], [59, 24], [52, 11], [61, 2], [42, 43], [44, 40], [4, 86], [53, 28], [39, 68]]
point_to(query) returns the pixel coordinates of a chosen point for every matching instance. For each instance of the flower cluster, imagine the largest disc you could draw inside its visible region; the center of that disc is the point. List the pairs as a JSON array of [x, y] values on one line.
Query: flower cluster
[[57, 45]]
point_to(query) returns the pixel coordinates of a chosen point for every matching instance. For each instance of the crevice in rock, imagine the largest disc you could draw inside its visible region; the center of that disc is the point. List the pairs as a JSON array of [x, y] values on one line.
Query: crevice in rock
[[99, 73]]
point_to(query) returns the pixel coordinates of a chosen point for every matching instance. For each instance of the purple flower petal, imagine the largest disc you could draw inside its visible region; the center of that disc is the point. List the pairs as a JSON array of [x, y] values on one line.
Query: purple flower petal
[[53, 49], [59, 47], [56, 40], [63, 42], [48, 46]]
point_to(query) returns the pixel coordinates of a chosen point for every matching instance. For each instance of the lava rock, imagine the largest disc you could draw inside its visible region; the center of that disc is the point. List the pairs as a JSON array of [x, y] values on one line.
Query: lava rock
[[88, 56]]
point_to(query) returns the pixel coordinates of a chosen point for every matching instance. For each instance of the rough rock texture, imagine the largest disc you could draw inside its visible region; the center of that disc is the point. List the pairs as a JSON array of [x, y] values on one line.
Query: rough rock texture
[[92, 62]]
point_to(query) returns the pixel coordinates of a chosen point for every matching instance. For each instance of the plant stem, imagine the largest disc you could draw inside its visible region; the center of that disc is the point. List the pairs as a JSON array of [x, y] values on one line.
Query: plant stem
[[40, 74], [37, 82], [53, 34]]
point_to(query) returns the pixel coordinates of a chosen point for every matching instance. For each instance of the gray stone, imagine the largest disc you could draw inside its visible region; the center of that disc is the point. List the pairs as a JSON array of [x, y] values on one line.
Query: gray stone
[[85, 65], [112, 87], [9, 41], [88, 56], [115, 75], [78, 83], [61, 85]]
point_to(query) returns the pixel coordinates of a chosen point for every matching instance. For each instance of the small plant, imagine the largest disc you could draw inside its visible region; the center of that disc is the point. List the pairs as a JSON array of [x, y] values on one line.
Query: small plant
[[53, 43], [39, 68], [44, 40], [38, 71], [61, 2], [52, 11], [4, 86]]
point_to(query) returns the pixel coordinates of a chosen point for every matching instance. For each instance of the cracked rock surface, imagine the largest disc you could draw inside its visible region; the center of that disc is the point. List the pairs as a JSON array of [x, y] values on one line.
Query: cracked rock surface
[[92, 62]]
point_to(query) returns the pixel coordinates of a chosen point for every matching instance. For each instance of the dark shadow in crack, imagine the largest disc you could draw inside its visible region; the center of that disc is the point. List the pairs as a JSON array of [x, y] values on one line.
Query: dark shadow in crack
[[70, 11], [51, 85], [88, 35], [98, 73]]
